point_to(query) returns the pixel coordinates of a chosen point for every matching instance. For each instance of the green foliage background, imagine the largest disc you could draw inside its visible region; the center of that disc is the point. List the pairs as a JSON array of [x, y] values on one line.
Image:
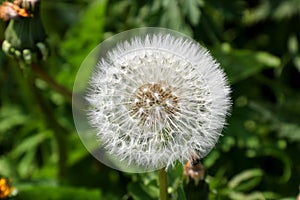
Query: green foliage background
[[256, 42]]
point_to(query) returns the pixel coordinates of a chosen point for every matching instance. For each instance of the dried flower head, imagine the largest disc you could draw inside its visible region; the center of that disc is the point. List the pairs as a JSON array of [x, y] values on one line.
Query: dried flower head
[[157, 97], [6, 190], [16, 9], [8, 11], [30, 5], [25, 37]]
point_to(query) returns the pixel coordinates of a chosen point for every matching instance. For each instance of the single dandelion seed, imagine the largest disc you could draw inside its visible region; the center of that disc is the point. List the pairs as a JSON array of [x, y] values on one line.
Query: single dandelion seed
[[155, 97]]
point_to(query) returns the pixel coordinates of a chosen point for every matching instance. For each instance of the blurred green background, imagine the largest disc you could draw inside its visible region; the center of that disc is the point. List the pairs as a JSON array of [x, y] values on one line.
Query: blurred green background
[[256, 42]]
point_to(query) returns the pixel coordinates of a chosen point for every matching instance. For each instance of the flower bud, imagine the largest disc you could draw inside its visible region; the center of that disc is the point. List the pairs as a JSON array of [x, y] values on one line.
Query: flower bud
[[6, 190], [25, 37]]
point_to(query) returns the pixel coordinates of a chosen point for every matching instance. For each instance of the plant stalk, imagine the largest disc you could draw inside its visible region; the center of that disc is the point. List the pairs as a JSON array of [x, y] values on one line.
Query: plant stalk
[[163, 184], [37, 103], [41, 74], [51, 82]]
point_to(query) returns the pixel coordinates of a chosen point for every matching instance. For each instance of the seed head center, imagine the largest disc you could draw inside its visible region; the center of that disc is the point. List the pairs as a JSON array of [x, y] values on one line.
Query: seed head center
[[153, 100]]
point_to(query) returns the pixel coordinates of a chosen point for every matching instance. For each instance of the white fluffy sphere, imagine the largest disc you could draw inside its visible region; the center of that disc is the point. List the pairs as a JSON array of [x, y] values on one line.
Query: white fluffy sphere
[[156, 97]]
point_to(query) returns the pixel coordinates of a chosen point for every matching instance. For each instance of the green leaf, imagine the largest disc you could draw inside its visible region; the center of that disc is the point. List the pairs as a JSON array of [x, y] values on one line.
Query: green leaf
[[288, 198], [30, 143], [25, 165], [287, 163], [257, 14], [175, 176], [7, 169], [286, 9], [192, 10], [58, 193], [85, 35], [293, 44], [140, 192], [296, 61], [240, 64], [289, 131], [11, 116], [78, 151], [252, 196], [171, 18], [246, 180], [81, 39]]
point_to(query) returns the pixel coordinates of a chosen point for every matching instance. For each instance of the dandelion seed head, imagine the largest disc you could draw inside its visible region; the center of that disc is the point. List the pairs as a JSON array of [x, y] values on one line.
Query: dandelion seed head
[[156, 98], [7, 12]]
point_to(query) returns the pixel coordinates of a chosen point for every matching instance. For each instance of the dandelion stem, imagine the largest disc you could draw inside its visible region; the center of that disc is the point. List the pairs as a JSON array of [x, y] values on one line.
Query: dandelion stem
[[51, 82], [41, 74], [37, 103], [58, 130], [163, 184]]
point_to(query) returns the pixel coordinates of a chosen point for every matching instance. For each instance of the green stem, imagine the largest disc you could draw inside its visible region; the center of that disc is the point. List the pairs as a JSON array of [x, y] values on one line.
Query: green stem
[[163, 184], [58, 131], [51, 121], [40, 73], [24, 87], [36, 102]]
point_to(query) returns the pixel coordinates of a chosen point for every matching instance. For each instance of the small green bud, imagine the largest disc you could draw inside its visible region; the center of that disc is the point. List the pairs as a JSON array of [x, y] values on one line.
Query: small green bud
[[18, 54], [27, 56], [43, 50], [6, 46]]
